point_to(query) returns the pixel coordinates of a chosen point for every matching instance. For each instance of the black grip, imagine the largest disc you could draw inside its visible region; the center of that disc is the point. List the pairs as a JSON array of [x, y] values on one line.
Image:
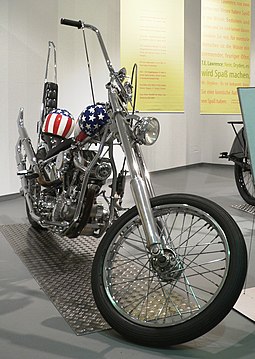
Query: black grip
[[73, 23]]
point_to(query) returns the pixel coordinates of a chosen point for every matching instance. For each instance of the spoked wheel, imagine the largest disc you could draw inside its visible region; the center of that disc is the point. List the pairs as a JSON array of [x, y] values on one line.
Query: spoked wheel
[[244, 183], [163, 304]]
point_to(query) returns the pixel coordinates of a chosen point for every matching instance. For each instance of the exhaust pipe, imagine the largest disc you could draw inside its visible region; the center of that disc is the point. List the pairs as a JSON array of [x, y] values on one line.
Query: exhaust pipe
[[25, 141]]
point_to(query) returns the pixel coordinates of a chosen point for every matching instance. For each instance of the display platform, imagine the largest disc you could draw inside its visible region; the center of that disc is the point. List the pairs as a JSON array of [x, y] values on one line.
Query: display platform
[[245, 207], [245, 303], [62, 268]]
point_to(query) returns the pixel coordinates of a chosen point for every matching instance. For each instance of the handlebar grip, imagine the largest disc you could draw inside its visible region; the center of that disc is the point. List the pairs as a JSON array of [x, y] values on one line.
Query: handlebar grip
[[73, 23]]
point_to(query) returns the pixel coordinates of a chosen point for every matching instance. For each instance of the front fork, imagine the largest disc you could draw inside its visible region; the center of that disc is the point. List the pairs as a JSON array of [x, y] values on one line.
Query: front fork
[[140, 186]]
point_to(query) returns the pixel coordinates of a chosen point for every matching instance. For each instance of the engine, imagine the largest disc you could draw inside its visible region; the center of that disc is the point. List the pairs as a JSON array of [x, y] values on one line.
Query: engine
[[59, 195], [102, 169]]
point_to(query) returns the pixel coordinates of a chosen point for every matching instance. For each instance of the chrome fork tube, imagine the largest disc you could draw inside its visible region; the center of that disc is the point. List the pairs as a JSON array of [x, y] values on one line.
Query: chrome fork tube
[[138, 187], [144, 171], [146, 177]]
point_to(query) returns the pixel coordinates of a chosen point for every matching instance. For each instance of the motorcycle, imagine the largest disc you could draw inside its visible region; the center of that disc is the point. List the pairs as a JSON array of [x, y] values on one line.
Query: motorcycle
[[239, 154], [167, 270]]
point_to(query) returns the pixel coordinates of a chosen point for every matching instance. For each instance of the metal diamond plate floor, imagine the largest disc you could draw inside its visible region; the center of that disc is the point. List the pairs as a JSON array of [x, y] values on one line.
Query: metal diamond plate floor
[[245, 207], [62, 268]]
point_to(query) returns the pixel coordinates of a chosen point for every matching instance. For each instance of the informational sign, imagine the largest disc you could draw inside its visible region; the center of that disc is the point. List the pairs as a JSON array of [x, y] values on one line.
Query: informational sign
[[225, 54], [152, 36]]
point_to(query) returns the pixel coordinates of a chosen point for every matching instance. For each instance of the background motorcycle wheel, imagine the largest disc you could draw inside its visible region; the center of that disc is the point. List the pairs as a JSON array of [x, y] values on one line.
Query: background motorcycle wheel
[[245, 184], [201, 288]]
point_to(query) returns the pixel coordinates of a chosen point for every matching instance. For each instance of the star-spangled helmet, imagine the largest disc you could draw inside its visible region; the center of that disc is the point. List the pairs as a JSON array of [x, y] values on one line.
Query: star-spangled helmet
[[59, 122], [91, 119]]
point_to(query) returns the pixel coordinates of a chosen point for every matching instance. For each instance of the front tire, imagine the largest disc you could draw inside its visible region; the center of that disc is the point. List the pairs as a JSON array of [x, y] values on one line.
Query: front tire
[[211, 263]]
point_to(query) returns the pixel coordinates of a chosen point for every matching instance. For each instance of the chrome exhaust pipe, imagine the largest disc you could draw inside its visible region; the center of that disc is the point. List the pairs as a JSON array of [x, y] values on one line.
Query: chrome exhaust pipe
[[25, 141]]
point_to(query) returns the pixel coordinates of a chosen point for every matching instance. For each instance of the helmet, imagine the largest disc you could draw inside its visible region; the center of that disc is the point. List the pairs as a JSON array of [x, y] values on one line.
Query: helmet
[[91, 119], [59, 122]]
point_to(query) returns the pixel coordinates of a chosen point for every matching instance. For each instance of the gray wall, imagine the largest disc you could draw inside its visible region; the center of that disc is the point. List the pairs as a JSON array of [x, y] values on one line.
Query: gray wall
[[26, 28]]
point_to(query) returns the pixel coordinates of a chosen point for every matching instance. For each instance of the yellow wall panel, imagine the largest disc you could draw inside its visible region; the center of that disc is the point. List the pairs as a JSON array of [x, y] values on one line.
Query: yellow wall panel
[[152, 35], [225, 54]]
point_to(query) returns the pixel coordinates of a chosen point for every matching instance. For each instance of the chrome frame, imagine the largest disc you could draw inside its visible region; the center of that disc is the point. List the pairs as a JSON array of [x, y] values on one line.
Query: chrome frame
[[51, 45]]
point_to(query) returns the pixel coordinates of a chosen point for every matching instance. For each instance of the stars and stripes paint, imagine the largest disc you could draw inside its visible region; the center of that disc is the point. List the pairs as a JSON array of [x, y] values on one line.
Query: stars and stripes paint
[[91, 119], [59, 122]]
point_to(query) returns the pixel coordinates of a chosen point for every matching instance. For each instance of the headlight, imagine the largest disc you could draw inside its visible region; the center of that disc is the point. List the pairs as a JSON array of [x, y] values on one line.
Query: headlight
[[147, 130]]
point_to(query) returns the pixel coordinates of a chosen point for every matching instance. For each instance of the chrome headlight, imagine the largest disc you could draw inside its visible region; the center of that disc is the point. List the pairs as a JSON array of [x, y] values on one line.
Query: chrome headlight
[[147, 130]]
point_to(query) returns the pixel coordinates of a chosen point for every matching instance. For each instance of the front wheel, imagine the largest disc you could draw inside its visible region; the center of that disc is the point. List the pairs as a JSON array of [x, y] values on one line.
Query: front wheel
[[163, 306]]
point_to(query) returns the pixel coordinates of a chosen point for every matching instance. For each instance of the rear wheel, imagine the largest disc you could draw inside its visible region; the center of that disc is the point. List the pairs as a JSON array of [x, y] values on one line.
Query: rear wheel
[[162, 305], [244, 182]]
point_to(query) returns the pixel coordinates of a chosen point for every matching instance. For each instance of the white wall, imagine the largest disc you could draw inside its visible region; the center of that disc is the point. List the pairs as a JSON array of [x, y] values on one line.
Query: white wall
[[26, 28]]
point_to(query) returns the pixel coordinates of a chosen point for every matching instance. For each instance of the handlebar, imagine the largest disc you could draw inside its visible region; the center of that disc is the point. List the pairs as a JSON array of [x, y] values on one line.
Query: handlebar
[[118, 76], [73, 23], [81, 25]]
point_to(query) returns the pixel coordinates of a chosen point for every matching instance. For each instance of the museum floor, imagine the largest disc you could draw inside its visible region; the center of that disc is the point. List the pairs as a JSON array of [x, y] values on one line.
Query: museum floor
[[31, 327]]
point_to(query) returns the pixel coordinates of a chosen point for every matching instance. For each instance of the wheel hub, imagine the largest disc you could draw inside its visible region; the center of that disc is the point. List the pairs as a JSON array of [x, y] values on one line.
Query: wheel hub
[[168, 266]]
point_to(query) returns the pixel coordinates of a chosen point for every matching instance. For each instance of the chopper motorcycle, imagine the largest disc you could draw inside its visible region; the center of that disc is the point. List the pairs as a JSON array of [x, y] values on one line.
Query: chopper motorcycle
[[167, 270]]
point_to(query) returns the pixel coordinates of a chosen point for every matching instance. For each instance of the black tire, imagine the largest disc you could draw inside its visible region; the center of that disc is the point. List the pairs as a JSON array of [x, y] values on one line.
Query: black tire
[[244, 183], [203, 286]]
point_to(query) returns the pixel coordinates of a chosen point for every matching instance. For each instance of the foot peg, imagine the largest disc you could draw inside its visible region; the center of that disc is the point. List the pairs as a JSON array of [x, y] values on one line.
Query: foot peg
[[28, 174]]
